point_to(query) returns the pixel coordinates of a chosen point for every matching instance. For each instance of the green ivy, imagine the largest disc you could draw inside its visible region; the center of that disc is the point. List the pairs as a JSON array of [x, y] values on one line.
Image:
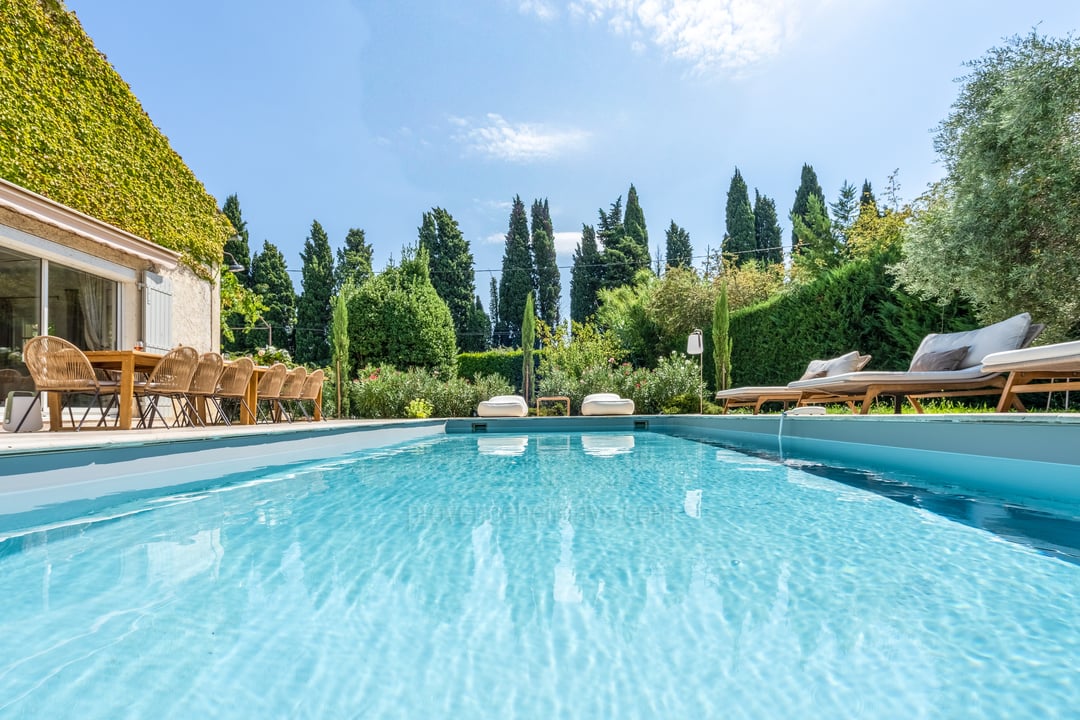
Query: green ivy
[[72, 130]]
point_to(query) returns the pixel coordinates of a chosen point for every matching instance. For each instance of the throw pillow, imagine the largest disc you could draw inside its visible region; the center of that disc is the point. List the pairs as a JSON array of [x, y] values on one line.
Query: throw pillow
[[943, 361]]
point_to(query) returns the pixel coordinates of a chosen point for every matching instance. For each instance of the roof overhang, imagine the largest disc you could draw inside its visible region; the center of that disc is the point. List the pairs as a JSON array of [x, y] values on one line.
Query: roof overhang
[[42, 209]]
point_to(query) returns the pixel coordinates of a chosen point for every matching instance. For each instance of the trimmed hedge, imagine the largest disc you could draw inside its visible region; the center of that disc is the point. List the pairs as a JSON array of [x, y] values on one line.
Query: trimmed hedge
[[74, 132], [854, 307], [504, 362]]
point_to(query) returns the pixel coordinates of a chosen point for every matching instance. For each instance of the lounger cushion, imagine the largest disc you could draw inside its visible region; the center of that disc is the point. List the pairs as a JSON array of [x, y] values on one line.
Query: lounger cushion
[[1005, 335], [606, 404], [1042, 357], [937, 361], [859, 381], [849, 362], [503, 406]]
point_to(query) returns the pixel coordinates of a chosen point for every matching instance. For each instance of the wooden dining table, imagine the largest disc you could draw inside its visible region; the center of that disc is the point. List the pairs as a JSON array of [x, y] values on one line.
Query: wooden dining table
[[128, 362]]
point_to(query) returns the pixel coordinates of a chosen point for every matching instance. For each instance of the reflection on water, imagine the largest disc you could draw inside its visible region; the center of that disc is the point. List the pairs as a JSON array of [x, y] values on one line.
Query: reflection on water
[[502, 444], [607, 445]]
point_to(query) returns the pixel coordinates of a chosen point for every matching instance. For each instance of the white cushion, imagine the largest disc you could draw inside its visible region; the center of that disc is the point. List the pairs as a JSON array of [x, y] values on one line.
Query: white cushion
[[606, 404], [503, 406], [1005, 335], [1044, 355], [856, 380]]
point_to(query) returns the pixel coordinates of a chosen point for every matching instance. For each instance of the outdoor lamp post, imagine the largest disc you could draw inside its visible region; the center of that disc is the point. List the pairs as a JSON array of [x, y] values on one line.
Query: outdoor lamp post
[[696, 346]]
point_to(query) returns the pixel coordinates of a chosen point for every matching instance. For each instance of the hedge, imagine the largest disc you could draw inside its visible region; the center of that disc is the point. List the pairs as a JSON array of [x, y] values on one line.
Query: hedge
[[504, 362], [854, 307]]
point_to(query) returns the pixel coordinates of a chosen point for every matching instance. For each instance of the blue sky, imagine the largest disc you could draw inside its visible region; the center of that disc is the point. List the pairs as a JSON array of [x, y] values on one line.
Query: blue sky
[[368, 113]]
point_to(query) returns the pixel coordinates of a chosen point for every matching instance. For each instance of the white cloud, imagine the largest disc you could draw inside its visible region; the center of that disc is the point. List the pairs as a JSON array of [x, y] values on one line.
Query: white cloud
[[540, 8], [566, 242], [495, 239], [709, 35], [522, 142]]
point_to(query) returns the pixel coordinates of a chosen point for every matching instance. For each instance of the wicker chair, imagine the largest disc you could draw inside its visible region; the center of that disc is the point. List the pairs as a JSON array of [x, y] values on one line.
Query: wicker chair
[[58, 366], [233, 385], [270, 390], [310, 393], [290, 390], [204, 384], [170, 378]]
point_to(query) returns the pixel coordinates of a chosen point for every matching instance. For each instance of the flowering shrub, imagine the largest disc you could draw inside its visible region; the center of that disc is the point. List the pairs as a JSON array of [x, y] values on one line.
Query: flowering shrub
[[384, 392], [419, 408]]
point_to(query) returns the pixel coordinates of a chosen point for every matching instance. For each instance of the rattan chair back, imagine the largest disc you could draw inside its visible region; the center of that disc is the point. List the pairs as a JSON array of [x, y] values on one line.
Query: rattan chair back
[[235, 377], [173, 372], [56, 364], [271, 382], [294, 384], [312, 385], [205, 380]]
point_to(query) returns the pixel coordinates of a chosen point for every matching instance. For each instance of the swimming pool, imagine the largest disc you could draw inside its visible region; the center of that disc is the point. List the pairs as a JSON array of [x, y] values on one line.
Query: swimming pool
[[577, 575]]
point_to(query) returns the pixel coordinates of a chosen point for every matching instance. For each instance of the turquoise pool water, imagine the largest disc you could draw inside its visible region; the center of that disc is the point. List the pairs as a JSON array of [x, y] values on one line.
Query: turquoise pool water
[[493, 576]]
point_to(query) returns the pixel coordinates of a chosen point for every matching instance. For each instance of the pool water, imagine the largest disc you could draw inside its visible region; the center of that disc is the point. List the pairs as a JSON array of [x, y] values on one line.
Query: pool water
[[555, 575]]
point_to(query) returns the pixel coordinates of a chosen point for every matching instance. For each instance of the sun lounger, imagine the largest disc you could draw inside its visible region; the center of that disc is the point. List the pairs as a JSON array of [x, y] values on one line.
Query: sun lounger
[[758, 395], [945, 365], [606, 404], [1029, 368], [503, 406]]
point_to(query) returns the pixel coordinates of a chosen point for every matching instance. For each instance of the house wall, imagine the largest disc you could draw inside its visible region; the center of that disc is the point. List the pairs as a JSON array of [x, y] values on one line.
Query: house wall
[[195, 301]]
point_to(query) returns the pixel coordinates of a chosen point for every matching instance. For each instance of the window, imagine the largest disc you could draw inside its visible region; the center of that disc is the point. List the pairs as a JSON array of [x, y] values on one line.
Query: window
[[82, 308]]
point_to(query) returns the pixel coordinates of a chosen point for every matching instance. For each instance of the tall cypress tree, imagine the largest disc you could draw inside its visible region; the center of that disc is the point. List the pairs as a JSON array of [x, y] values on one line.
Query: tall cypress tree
[[451, 263], [237, 245], [548, 282], [623, 255], [586, 276], [843, 212], [808, 185], [679, 251], [739, 239], [634, 225], [271, 280], [867, 201], [313, 308], [493, 315], [517, 276], [767, 234], [353, 260]]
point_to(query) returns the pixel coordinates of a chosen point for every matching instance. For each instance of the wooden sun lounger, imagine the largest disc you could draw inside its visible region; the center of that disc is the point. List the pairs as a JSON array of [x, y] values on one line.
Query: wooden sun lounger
[[1035, 370]]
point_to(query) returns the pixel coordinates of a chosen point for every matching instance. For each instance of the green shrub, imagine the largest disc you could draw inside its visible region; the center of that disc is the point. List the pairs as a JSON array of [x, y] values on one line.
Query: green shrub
[[651, 390], [386, 392]]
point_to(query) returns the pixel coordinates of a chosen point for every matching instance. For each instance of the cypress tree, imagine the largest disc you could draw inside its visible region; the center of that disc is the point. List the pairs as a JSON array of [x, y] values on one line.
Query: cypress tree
[[843, 212], [739, 239], [679, 251], [451, 266], [622, 255], [634, 226], [477, 336], [808, 185], [528, 337], [493, 316], [721, 338], [517, 276], [767, 234], [548, 281], [313, 308], [237, 245], [271, 280], [586, 276], [353, 260]]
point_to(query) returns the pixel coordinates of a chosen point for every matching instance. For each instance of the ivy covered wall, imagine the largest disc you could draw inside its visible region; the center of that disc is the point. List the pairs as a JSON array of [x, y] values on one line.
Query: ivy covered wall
[[71, 130]]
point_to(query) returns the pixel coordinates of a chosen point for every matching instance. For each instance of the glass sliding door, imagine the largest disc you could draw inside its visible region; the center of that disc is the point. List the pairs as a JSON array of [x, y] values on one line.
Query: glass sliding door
[[82, 308], [20, 313]]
